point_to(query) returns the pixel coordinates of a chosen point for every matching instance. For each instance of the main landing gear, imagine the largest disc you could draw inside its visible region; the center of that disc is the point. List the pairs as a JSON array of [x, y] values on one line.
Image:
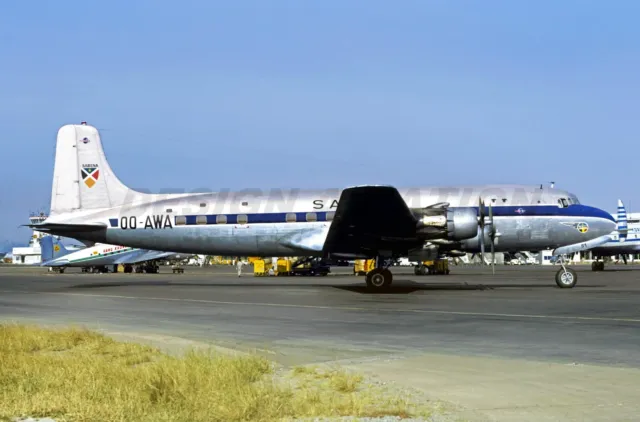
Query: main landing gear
[[566, 278], [380, 277]]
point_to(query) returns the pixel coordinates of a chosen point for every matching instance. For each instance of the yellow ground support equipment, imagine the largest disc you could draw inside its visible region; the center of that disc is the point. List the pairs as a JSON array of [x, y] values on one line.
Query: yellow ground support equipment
[[283, 267], [439, 266], [260, 268], [363, 266]]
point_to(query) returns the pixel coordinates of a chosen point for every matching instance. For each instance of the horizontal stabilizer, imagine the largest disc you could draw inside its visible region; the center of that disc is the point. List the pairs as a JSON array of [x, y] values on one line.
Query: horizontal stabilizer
[[70, 228], [56, 263]]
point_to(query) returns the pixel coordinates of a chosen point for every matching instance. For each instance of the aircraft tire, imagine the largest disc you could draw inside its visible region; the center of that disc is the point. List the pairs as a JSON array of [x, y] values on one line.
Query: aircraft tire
[[566, 279], [379, 278]]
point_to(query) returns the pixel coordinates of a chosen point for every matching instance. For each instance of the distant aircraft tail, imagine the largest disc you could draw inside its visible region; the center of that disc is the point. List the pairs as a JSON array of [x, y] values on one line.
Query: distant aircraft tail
[[621, 222], [51, 248], [82, 177]]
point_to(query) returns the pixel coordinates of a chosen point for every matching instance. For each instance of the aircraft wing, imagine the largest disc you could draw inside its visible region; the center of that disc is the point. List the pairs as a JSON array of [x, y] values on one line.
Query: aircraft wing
[[142, 255], [369, 219]]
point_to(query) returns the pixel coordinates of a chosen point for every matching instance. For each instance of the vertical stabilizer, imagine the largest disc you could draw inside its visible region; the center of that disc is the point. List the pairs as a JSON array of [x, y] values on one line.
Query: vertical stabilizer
[[621, 222], [51, 248], [82, 177]]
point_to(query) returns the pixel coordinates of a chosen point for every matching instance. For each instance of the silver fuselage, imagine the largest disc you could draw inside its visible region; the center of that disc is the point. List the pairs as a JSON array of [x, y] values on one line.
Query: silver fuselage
[[274, 223]]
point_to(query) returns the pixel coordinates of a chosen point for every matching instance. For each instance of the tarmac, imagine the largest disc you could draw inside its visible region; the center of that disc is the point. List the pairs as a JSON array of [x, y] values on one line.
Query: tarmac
[[504, 347]]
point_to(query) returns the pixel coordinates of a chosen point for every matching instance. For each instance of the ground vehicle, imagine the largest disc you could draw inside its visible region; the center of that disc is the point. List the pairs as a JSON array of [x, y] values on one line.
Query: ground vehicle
[[439, 266]]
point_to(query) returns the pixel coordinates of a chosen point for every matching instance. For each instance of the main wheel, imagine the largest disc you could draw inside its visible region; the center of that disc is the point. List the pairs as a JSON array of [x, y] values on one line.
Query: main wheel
[[566, 279], [597, 266], [379, 278]]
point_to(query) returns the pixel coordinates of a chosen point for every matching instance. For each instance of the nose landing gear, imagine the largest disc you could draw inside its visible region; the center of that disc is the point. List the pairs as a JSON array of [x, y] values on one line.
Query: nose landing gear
[[566, 278]]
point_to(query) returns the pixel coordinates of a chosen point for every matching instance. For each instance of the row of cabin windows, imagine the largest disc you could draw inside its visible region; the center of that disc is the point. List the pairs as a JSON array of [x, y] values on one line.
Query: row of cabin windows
[[243, 219]]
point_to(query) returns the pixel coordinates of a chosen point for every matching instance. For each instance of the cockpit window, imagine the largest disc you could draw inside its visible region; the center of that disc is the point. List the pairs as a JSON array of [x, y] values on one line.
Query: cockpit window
[[563, 202]]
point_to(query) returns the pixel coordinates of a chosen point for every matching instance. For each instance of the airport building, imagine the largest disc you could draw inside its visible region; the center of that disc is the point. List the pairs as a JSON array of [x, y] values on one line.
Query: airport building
[[31, 254]]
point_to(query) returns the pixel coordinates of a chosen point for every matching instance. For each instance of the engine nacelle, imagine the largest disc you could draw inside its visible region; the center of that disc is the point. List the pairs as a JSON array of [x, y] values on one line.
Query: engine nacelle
[[452, 224], [474, 242]]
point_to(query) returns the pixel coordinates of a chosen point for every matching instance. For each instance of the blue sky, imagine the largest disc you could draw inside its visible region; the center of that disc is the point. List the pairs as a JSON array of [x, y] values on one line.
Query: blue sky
[[208, 94]]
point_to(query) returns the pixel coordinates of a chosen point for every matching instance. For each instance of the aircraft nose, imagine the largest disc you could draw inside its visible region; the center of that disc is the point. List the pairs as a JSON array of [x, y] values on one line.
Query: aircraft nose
[[605, 221]]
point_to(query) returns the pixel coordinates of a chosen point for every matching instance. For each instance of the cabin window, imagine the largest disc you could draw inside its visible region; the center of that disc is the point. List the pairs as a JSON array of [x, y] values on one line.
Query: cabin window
[[330, 215], [221, 219], [312, 216], [291, 218], [245, 204], [169, 210], [181, 220], [201, 219], [202, 205], [243, 219]]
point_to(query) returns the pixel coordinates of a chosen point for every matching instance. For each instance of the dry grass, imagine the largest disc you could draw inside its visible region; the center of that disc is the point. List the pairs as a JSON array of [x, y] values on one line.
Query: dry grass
[[79, 375]]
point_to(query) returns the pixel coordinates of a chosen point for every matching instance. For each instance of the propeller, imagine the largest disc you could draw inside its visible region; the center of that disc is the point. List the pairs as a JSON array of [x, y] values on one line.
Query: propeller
[[482, 222], [481, 216], [492, 236]]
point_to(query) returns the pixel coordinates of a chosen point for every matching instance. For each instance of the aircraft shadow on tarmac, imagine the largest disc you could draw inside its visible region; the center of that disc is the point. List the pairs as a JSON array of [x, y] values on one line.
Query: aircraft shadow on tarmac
[[398, 287]]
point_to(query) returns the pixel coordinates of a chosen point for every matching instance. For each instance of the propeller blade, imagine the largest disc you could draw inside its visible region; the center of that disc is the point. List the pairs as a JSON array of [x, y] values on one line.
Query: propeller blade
[[493, 258], [490, 213], [492, 235], [482, 247]]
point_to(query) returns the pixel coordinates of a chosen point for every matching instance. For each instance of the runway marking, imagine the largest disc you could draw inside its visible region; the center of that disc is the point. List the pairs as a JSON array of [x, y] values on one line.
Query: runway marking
[[340, 308]]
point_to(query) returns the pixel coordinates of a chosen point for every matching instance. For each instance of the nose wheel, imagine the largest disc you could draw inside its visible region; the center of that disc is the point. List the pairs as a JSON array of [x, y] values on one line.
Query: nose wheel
[[379, 278], [566, 278]]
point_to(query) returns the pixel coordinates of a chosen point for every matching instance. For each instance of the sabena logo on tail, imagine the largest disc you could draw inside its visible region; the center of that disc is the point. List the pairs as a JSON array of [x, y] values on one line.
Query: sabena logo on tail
[[90, 174]]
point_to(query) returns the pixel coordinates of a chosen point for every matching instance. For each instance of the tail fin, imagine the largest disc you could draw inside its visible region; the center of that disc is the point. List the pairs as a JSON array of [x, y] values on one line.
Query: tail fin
[[621, 225], [82, 177], [51, 248]]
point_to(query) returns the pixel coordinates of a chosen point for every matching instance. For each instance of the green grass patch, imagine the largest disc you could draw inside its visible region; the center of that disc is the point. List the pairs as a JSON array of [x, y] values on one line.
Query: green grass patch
[[80, 375]]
